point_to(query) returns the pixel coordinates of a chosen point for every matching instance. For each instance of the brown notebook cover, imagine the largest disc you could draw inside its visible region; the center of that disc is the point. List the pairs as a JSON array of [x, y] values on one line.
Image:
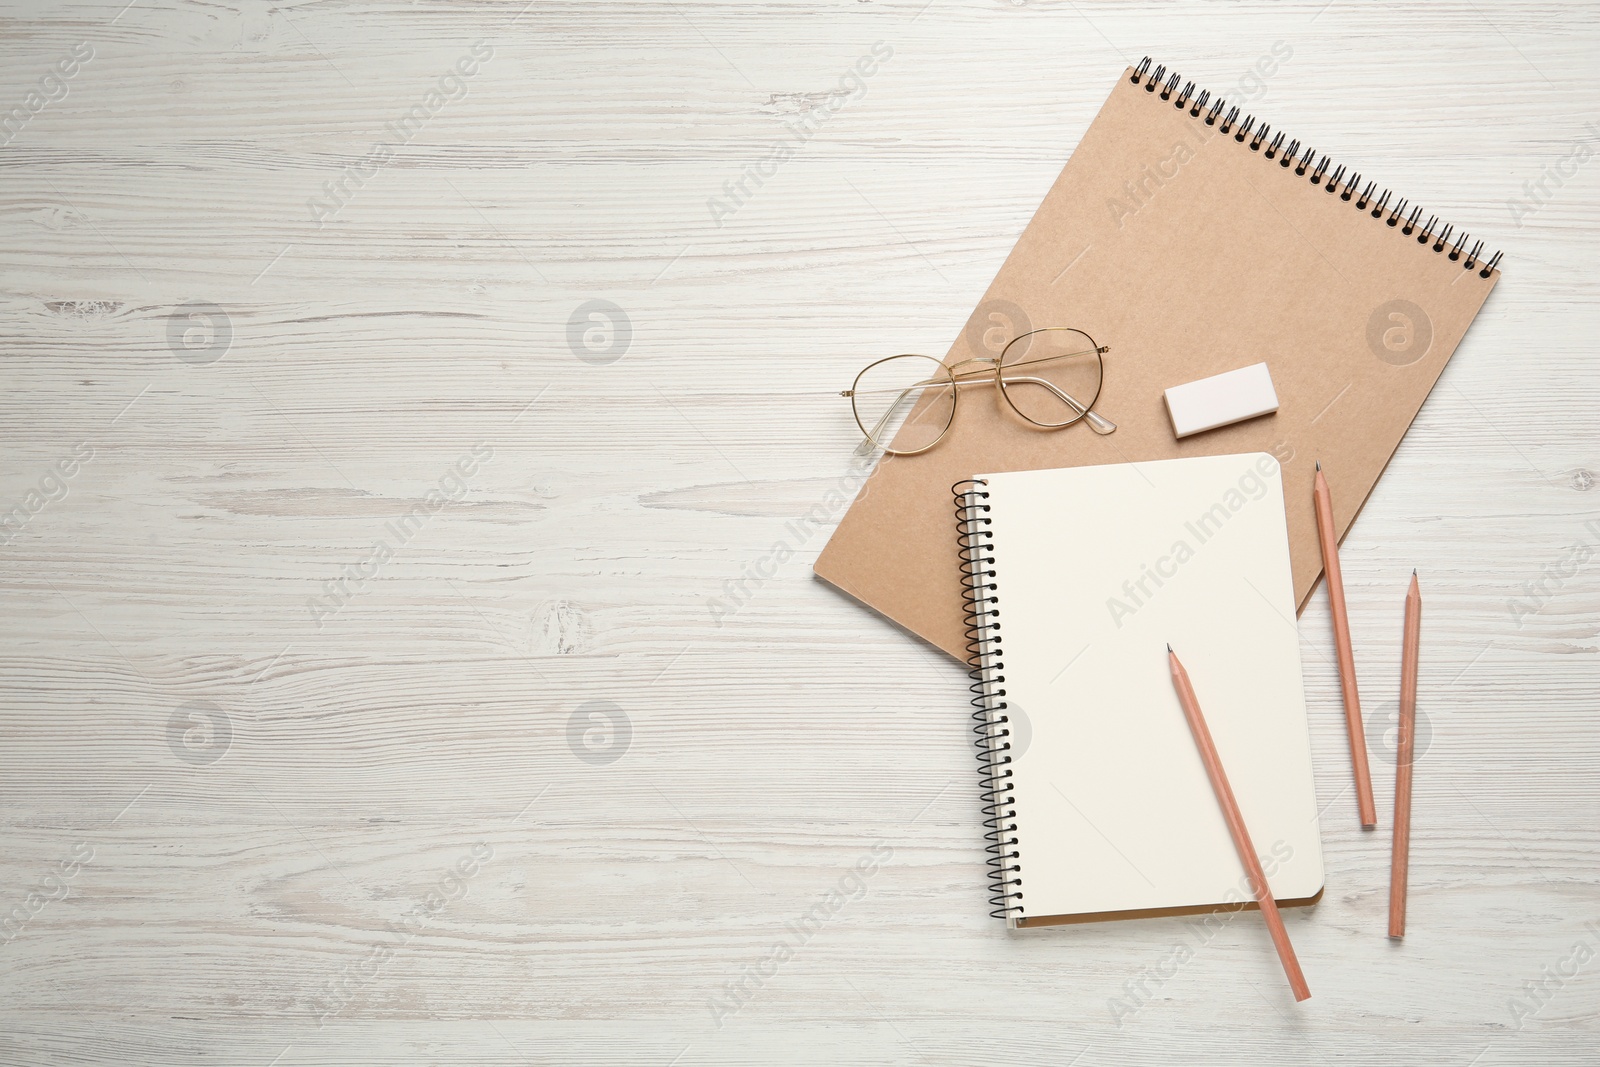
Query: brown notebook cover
[[1191, 241]]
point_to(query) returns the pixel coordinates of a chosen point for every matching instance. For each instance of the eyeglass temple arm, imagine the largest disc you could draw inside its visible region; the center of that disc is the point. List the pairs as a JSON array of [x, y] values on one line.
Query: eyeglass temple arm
[[991, 362], [962, 378], [872, 437], [1099, 423], [1066, 398]]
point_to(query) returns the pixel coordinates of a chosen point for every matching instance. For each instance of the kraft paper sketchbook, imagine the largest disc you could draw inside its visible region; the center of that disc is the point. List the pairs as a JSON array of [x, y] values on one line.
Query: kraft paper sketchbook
[[1074, 582], [1192, 240]]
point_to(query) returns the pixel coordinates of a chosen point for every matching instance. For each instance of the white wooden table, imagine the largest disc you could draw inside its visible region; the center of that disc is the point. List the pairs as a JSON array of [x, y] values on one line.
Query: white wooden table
[[288, 777]]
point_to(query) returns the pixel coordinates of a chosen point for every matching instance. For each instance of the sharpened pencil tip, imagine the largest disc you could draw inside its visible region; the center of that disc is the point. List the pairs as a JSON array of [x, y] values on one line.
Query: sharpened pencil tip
[[1319, 464], [1169, 648]]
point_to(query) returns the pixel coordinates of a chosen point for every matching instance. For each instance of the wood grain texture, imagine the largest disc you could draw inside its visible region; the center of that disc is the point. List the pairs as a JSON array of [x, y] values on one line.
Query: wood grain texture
[[224, 808]]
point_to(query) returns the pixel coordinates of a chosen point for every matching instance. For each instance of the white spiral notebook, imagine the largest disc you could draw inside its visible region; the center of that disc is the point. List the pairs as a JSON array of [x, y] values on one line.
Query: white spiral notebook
[[1096, 802]]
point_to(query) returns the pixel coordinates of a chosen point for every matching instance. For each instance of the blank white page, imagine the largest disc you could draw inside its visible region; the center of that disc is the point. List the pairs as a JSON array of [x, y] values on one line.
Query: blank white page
[[1097, 569]]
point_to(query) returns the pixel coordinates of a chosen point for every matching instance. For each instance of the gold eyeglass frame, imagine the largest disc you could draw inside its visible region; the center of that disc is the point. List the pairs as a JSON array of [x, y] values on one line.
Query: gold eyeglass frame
[[956, 378]]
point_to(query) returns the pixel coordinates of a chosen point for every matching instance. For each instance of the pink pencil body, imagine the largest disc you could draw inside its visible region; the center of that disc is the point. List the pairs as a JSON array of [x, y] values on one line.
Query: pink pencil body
[[1341, 640], [1236, 827], [1400, 855]]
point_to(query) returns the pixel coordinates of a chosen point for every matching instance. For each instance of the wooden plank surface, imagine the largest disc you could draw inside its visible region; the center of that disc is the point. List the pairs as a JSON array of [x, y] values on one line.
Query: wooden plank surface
[[534, 774]]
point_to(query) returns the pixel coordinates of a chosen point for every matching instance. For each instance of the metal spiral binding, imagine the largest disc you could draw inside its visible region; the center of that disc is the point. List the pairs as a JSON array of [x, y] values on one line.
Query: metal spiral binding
[[1285, 156], [987, 671]]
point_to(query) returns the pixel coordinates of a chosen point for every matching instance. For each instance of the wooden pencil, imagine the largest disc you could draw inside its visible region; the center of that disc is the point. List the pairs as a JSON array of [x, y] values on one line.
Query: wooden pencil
[[1347, 660], [1236, 827], [1400, 858]]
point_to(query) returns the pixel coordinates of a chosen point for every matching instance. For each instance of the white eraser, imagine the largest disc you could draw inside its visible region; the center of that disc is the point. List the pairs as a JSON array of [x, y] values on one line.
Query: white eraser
[[1221, 400]]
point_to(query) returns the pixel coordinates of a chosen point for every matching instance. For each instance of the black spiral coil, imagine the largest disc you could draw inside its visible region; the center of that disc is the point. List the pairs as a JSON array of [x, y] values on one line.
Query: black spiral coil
[[1247, 130], [987, 670]]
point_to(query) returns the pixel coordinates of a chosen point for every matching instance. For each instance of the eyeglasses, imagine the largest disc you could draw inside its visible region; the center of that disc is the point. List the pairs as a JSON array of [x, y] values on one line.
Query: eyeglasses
[[1050, 378]]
